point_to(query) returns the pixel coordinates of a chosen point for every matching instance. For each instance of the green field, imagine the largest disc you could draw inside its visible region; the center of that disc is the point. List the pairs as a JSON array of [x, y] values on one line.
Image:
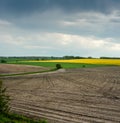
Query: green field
[[53, 64]]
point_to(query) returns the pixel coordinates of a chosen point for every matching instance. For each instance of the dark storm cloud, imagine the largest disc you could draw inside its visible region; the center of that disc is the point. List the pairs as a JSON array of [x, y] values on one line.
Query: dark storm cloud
[[23, 7]]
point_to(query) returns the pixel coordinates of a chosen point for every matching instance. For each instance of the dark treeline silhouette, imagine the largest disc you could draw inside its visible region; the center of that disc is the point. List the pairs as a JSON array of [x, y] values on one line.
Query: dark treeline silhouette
[[39, 57], [20, 58], [109, 57]]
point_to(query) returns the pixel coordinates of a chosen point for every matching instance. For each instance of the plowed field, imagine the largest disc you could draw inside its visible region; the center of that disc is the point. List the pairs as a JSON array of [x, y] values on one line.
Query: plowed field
[[11, 68], [86, 95]]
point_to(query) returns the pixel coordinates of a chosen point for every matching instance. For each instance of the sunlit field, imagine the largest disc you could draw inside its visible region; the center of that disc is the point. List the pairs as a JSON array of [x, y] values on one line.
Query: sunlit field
[[85, 61]]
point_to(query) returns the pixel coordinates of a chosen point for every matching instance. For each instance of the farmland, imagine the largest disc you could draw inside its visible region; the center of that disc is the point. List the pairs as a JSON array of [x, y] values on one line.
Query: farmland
[[92, 61], [75, 63], [87, 61], [51, 64], [14, 69], [78, 95]]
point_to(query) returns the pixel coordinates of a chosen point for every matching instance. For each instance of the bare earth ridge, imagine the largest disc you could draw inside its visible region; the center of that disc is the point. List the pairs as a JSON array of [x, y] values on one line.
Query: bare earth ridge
[[87, 95]]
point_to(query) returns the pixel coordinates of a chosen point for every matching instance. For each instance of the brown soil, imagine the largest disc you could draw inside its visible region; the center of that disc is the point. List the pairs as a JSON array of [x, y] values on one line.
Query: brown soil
[[72, 96], [11, 68]]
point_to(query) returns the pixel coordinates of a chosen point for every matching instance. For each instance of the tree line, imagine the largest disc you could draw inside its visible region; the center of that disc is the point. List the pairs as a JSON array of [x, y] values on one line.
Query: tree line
[[16, 58]]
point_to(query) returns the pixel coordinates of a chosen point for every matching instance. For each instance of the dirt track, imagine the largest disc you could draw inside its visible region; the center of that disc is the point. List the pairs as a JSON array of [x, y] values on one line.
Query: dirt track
[[75, 96]]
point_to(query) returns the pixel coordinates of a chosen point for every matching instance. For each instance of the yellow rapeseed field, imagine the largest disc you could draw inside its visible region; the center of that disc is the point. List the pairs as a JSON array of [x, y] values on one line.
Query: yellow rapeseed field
[[87, 61]]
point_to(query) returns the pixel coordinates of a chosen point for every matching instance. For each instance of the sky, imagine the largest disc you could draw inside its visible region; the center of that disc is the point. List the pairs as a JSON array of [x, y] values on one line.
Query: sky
[[60, 28]]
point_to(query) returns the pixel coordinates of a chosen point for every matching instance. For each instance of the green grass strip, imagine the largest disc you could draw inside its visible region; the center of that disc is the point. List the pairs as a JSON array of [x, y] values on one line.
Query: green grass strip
[[16, 118], [53, 64], [18, 74]]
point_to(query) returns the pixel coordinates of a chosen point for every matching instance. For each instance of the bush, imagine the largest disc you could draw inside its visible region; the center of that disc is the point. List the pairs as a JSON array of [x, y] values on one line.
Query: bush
[[58, 66], [3, 61], [83, 66], [4, 100], [16, 118]]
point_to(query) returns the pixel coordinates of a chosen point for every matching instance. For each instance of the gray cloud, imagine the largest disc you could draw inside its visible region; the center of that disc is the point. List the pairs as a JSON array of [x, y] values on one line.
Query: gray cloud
[[13, 8], [44, 27]]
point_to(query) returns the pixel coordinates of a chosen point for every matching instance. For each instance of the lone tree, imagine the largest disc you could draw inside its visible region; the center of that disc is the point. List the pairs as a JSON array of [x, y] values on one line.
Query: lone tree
[[4, 100], [3, 61], [58, 66]]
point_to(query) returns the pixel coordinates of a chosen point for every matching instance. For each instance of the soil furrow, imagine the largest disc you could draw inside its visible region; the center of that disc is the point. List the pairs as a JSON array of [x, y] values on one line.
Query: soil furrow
[[63, 112]]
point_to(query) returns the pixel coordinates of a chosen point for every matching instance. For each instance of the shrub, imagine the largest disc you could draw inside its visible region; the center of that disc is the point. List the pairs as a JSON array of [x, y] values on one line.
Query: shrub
[[83, 66], [4, 100], [58, 66], [3, 61]]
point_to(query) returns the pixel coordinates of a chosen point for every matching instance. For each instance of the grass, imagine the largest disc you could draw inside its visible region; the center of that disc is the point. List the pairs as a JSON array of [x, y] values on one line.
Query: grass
[[18, 74], [53, 64], [15, 118]]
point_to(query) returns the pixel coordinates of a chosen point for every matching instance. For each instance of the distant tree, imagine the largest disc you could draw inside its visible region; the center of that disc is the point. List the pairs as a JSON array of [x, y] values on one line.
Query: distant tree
[[58, 66], [68, 57], [3, 61], [89, 57], [77, 57], [4, 100], [37, 59], [109, 57], [83, 66]]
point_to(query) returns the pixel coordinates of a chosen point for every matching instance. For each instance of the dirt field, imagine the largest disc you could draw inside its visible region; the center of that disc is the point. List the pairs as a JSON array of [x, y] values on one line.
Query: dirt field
[[11, 68], [72, 96]]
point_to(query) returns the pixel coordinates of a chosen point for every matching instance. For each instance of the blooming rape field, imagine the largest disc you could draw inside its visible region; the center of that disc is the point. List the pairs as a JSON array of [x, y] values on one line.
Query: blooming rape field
[[86, 61]]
